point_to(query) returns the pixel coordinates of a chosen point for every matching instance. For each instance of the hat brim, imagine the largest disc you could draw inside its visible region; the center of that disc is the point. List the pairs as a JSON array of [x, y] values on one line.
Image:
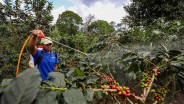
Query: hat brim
[[47, 42]]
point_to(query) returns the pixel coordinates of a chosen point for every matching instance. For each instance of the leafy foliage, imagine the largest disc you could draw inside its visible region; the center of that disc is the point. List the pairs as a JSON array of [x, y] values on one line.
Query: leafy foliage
[[102, 76], [87, 78], [101, 27], [68, 23], [27, 86], [16, 22], [144, 12], [70, 97]]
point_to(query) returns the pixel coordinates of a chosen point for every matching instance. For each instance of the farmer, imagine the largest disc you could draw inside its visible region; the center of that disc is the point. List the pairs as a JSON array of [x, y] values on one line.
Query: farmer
[[31, 59], [48, 60]]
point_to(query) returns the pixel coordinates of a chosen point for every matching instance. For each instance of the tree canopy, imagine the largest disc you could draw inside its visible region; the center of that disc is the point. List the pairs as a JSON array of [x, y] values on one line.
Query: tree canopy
[[101, 27], [144, 12], [69, 22]]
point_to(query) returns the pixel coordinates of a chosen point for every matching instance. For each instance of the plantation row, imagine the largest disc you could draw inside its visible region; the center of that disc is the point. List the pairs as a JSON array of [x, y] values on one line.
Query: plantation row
[[150, 81]]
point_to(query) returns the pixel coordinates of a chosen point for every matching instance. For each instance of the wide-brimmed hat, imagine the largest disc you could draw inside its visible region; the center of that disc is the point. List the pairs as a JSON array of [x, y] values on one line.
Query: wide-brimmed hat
[[46, 40]]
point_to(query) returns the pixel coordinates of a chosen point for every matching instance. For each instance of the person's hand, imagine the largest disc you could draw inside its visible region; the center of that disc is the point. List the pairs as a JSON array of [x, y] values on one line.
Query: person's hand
[[38, 33]]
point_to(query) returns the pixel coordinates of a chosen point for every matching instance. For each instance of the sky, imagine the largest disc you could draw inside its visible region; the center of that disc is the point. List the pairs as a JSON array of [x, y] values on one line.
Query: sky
[[108, 10]]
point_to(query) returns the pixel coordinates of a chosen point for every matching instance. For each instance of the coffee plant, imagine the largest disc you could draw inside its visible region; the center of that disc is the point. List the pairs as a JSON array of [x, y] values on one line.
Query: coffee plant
[[82, 81]]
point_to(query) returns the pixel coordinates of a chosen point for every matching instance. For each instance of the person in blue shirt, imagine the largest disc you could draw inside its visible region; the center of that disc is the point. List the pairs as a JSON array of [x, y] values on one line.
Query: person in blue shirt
[[49, 59]]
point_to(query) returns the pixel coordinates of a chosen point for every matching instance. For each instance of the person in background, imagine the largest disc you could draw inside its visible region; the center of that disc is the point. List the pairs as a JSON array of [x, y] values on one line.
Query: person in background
[[49, 59], [31, 61]]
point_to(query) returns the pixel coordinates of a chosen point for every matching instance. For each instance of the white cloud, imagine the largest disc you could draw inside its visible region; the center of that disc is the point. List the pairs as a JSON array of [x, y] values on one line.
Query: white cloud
[[56, 12], [107, 10], [1, 1], [104, 11]]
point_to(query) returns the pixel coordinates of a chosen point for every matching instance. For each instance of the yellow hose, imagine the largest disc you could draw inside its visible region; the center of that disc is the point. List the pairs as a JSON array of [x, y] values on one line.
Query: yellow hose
[[22, 49]]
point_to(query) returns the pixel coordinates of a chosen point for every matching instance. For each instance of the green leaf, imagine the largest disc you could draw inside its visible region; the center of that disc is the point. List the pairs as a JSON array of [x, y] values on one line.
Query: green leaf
[[131, 75], [105, 80], [74, 96], [57, 81], [180, 58], [91, 79], [78, 72], [23, 89], [156, 31], [6, 82], [89, 94], [1, 91], [78, 78], [98, 95], [165, 48], [70, 72], [127, 55], [177, 63], [45, 97]]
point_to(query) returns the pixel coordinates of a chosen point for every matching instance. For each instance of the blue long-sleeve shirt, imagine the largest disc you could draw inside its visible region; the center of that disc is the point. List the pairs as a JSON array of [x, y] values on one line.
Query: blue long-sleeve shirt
[[47, 63]]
